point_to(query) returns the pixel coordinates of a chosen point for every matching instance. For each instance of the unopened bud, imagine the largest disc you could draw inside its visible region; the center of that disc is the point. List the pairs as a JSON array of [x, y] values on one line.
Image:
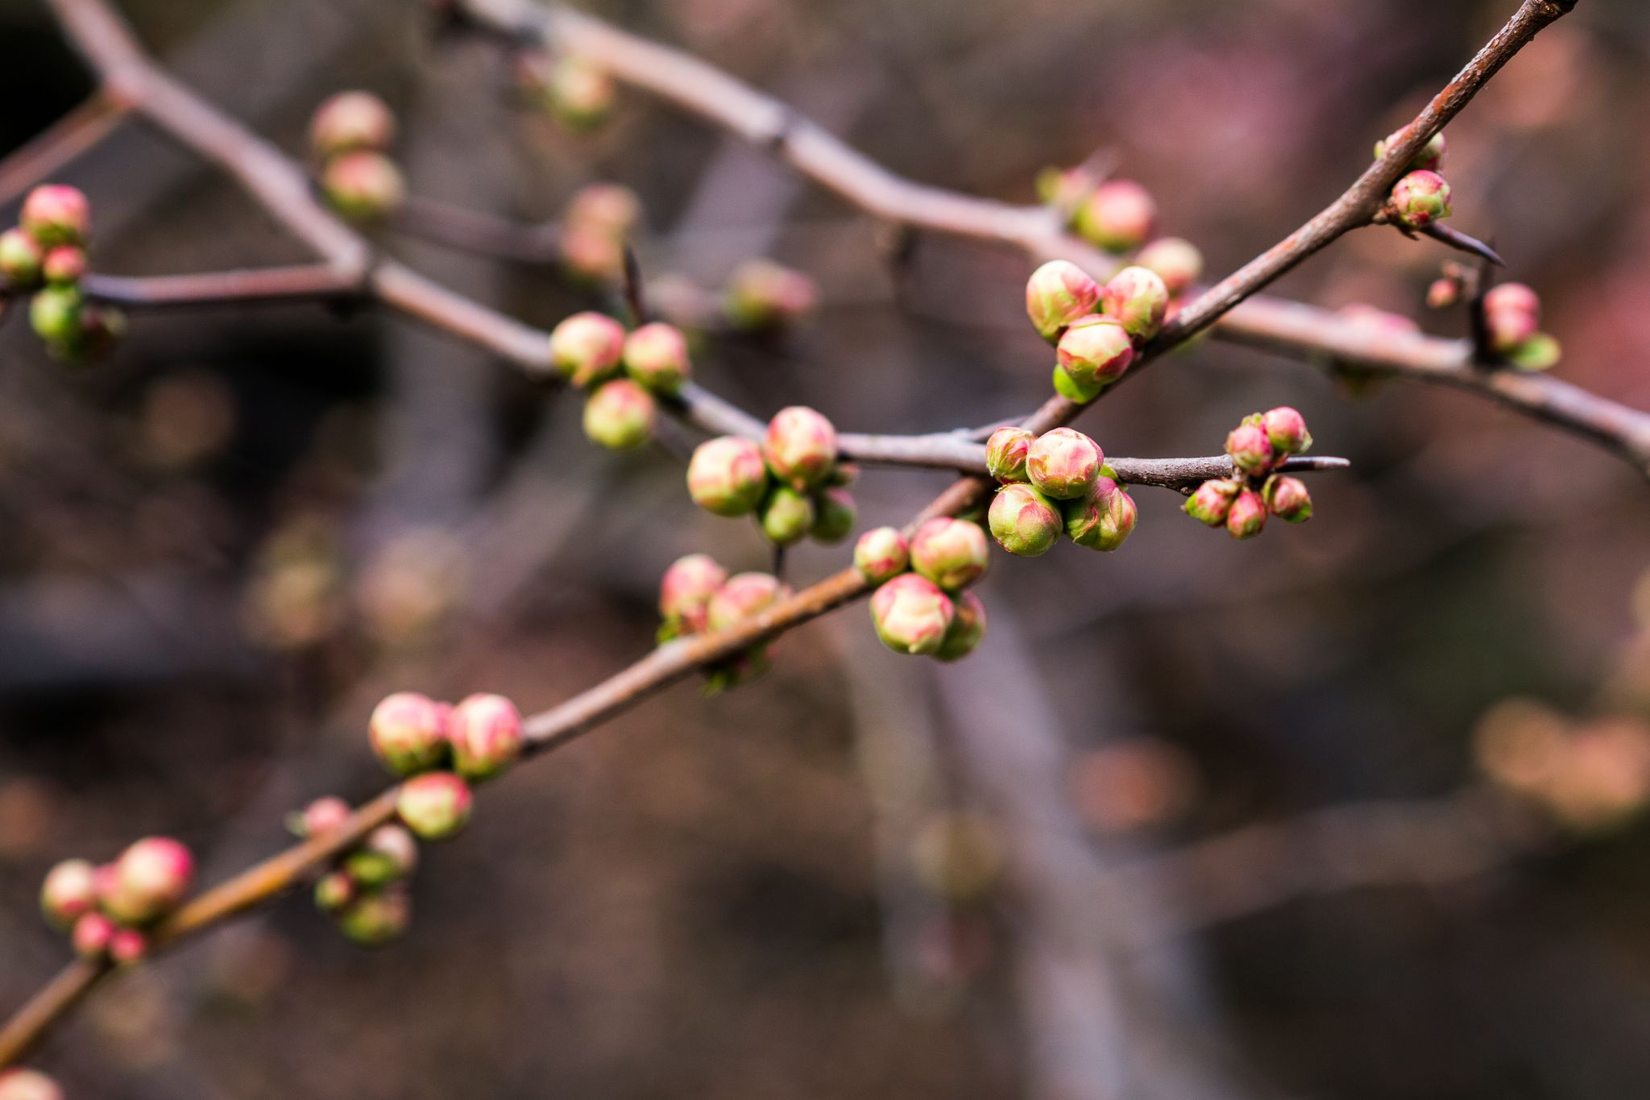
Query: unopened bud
[[150, 878], [1287, 498], [351, 121], [1118, 217], [375, 919], [1063, 463], [620, 415], [55, 315], [91, 935], [1070, 389], [591, 255], [100, 329], [587, 347], [656, 356], [334, 891], [1430, 157], [1247, 516], [727, 476], [911, 614], [953, 553], [408, 733], [1006, 451], [745, 595], [128, 946], [55, 214], [435, 805], [1138, 299], [1539, 352], [1211, 502], [763, 295], [1443, 292], [64, 265], [800, 446], [1286, 430], [323, 816], [1250, 446], [1057, 294], [1512, 315], [1101, 519], [785, 515], [1023, 521], [487, 736], [1064, 188], [20, 260], [881, 553], [28, 1084], [363, 186], [1420, 198], [966, 629], [579, 93], [685, 591], [68, 892], [1095, 351], [609, 208], [835, 514], [1178, 262], [388, 854]]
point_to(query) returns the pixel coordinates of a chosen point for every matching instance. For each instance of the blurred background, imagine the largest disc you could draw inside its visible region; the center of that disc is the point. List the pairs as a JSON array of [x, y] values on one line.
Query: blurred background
[[1348, 810]]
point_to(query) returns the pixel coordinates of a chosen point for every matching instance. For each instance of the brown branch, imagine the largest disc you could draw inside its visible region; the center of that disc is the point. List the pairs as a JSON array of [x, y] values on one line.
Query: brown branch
[[44, 155], [300, 282], [476, 233]]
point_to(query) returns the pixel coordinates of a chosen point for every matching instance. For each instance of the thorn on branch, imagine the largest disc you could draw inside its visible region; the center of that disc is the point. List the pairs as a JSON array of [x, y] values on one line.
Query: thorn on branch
[[635, 299], [1465, 242]]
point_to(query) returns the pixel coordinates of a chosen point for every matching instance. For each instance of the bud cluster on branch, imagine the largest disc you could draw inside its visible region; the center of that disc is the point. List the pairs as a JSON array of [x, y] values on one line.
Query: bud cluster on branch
[[45, 255]]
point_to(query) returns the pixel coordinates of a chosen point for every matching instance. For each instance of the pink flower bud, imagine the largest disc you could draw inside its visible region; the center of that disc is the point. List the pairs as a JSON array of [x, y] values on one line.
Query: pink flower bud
[[55, 214], [1286, 430], [1118, 216], [1095, 351], [1211, 502], [620, 415], [20, 260], [911, 614], [28, 1084], [1513, 298], [1247, 515], [1512, 314], [763, 295], [91, 936], [128, 946], [1430, 157], [1064, 188], [835, 514], [1072, 390], [966, 630], [685, 591], [1138, 299], [1250, 446], [363, 186], [1057, 294], [1287, 498], [881, 553], [408, 733], [785, 515], [351, 121], [64, 265], [586, 348], [579, 93], [727, 476], [1443, 293], [1023, 521], [1539, 352], [435, 805], [591, 256], [323, 816], [1063, 463], [1101, 519], [388, 854], [744, 596], [487, 736], [953, 553], [800, 446], [656, 356], [375, 919], [1006, 451], [609, 208], [150, 878], [68, 892], [334, 891], [1177, 261], [1419, 199]]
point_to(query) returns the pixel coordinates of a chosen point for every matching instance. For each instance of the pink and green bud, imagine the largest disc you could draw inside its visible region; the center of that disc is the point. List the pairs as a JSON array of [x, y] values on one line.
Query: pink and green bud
[[28, 1084], [1211, 502], [953, 553], [388, 854], [1119, 216], [763, 296], [349, 122], [1006, 451], [1063, 463], [1430, 157], [1023, 521], [1419, 199], [55, 315], [609, 208], [55, 214], [591, 256], [334, 891], [20, 260], [1250, 446], [99, 330], [64, 265], [966, 630], [1286, 430], [91, 935], [323, 816], [911, 614], [685, 591], [579, 93], [128, 946], [1512, 315], [587, 348], [1513, 298], [363, 186], [1287, 498], [745, 596], [435, 805], [881, 554], [620, 415], [1539, 352], [1072, 390], [1095, 351], [656, 356], [727, 476], [1102, 519], [835, 514], [408, 733], [1137, 299], [1177, 261], [800, 447], [786, 515], [1064, 188], [1057, 294], [68, 893], [1247, 515], [1443, 293], [375, 919], [487, 736], [149, 880]]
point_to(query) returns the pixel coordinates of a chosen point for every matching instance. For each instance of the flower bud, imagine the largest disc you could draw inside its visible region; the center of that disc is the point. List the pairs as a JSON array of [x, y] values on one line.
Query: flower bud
[[835, 514], [334, 891], [91, 935], [1419, 199], [763, 295], [881, 554], [323, 816], [1118, 216], [127, 946], [591, 256], [1513, 298], [68, 892], [1138, 299], [1064, 188], [1512, 315], [363, 186], [685, 591], [487, 736], [435, 805], [1443, 292], [727, 476], [1070, 389], [1023, 521], [1095, 351], [1250, 446], [28, 1084], [911, 614], [388, 854], [55, 314], [1286, 430], [966, 629], [609, 208], [375, 919], [1287, 498], [785, 515], [150, 878], [586, 348], [1430, 157], [351, 121], [1539, 352], [1178, 262], [1103, 518], [1211, 502], [800, 446], [579, 93], [20, 260], [656, 356], [407, 733], [1247, 515], [100, 328], [55, 214], [1057, 294], [1006, 451], [953, 553], [620, 415], [842, 475], [1063, 463], [745, 595], [64, 265]]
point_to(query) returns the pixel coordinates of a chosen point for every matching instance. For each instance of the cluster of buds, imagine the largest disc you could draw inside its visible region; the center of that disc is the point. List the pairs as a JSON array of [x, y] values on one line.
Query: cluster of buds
[[624, 374], [45, 255], [1512, 327], [1097, 330], [1421, 195], [1257, 447], [1053, 484], [763, 296], [697, 596], [1588, 775], [921, 605], [1116, 215], [28, 1084], [595, 225], [573, 90], [109, 910], [365, 891], [350, 135], [791, 481]]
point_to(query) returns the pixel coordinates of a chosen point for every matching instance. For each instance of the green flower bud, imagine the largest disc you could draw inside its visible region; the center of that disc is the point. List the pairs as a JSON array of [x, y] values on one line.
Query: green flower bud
[[1138, 299], [786, 515], [28, 1084], [1539, 352], [835, 514], [1419, 199], [435, 805], [953, 553], [363, 186], [335, 891], [1118, 217], [911, 614], [148, 881], [389, 854], [620, 415], [966, 630], [1103, 518], [800, 447], [1057, 294], [1024, 521], [580, 93], [408, 733], [68, 893], [1094, 352], [656, 356], [55, 214], [1212, 501], [881, 553], [1430, 157], [1287, 498], [375, 919], [727, 476], [1073, 391], [685, 591], [744, 596], [763, 296], [54, 314], [1063, 463], [586, 348], [1177, 261], [1247, 515], [1005, 453], [20, 260]]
